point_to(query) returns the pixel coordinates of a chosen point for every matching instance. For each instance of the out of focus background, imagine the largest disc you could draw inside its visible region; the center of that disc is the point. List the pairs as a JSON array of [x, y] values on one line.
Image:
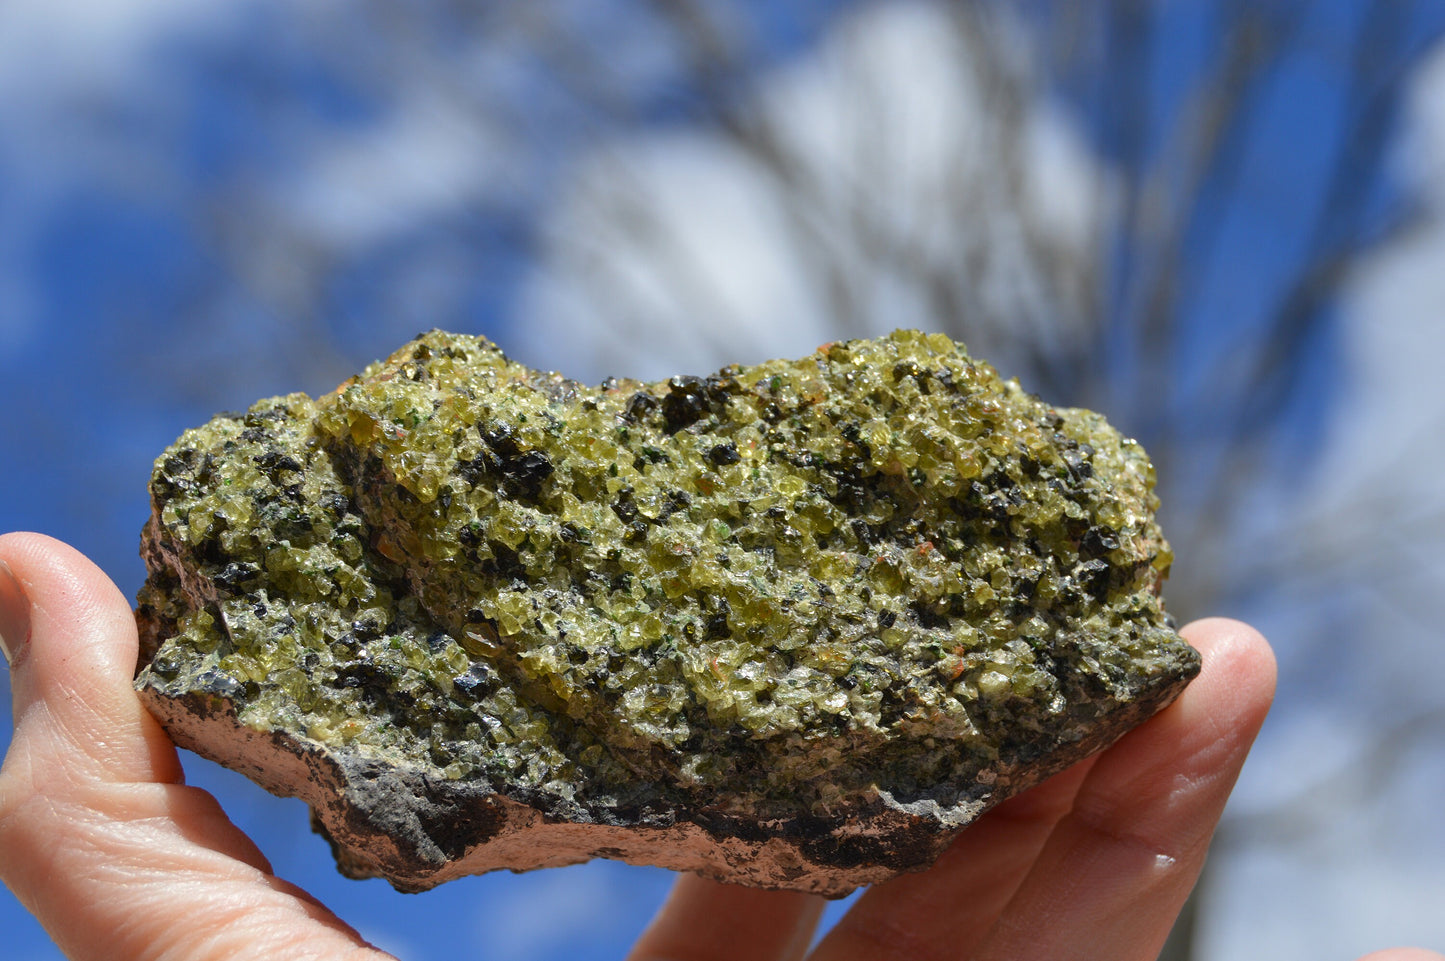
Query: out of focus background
[[1221, 224]]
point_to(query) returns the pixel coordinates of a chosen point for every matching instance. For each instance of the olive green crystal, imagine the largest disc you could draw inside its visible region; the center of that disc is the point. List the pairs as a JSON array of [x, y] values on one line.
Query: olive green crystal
[[777, 593]]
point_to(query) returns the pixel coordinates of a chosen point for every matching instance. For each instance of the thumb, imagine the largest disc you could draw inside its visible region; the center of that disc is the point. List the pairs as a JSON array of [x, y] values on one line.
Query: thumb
[[98, 837], [71, 640]]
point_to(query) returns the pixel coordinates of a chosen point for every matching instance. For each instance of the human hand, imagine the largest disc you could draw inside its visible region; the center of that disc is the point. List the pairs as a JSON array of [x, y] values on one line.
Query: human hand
[[1094, 863], [99, 837], [104, 844]]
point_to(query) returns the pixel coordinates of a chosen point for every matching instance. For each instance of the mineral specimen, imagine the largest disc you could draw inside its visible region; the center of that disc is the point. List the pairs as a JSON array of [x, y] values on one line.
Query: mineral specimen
[[791, 625]]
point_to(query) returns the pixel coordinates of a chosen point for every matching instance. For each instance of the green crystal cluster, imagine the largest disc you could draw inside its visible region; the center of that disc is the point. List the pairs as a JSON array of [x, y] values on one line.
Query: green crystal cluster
[[774, 589]]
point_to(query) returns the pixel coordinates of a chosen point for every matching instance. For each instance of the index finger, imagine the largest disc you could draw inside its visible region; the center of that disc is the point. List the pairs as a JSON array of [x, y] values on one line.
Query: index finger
[[98, 838], [1116, 870], [1112, 844], [77, 684]]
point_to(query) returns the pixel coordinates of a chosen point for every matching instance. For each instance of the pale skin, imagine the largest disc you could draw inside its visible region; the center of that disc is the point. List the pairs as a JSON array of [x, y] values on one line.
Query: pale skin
[[102, 841]]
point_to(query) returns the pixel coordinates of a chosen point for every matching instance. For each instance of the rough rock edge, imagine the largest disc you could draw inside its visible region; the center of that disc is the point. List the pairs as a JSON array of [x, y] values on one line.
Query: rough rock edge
[[417, 829]]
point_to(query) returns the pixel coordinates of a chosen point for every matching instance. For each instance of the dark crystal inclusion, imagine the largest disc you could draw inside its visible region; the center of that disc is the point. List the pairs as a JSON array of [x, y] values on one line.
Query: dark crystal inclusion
[[775, 590]]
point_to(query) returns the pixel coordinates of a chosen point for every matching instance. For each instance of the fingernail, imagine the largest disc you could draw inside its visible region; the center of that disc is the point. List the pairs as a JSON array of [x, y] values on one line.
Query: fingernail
[[14, 614]]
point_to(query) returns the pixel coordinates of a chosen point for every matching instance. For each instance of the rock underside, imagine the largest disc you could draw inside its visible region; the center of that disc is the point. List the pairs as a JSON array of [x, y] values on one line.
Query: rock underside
[[792, 625]]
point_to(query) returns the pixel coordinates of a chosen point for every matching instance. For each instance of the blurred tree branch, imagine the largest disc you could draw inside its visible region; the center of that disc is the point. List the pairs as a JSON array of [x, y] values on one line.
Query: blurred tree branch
[[1107, 309]]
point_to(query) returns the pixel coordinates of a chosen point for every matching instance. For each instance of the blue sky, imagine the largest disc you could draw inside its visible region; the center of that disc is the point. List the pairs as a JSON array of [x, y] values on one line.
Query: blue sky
[[198, 210]]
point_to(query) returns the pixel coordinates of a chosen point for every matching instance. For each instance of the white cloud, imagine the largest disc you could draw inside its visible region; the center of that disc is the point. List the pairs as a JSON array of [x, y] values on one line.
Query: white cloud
[[683, 250], [1423, 153], [429, 157], [54, 50], [706, 244]]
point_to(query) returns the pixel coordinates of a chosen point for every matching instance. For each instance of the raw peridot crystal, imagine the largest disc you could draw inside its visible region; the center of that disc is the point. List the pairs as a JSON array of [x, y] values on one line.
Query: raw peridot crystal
[[792, 624]]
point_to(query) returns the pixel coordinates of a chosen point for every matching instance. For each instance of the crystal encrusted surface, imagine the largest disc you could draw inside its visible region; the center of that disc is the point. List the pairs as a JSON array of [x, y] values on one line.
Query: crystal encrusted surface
[[789, 596]]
